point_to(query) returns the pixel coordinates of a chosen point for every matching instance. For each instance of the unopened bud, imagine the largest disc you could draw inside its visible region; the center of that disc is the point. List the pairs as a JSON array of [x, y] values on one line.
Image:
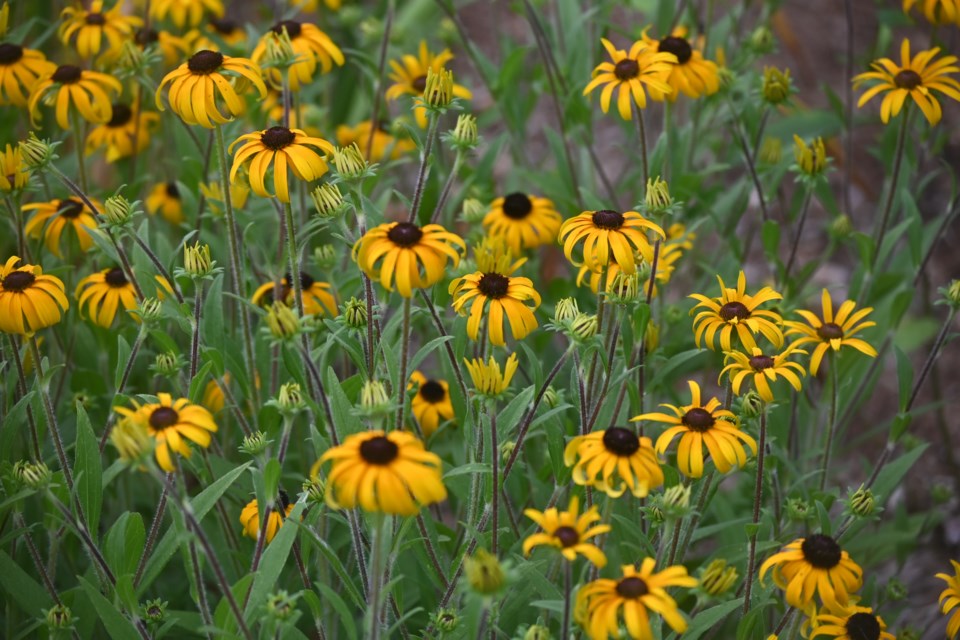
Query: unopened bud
[[447, 620], [751, 405], [798, 510], [167, 364], [771, 150], [117, 210], [255, 443], [776, 85], [59, 618], [584, 326], [941, 493], [862, 502], [718, 578], [762, 40], [325, 257], [507, 449], [374, 399], [652, 337], [132, 58], [438, 91], [149, 309], [812, 159], [676, 501], [537, 632], [355, 313], [315, 489], [909, 633], [841, 227], [952, 293], [896, 590], [132, 440], [282, 321], [33, 475], [327, 199], [484, 573], [464, 135], [657, 197], [349, 162], [566, 311], [473, 211], [279, 49], [625, 287], [36, 153], [551, 398], [290, 398], [155, 611], [280, 606], [196, 260]]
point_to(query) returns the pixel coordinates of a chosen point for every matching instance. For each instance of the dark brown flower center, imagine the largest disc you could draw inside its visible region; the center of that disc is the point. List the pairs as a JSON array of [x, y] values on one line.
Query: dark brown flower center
[[95, 19], [143, 37], [405, 234], [734, 310], [821, 551], [379, 450], [493, 285], [18, 280], [115, 278], [626, 69], [205, 62], [517, 206], [292, 26], [761, 362], [67, 74], [567, 536], [863, 626], [419, 83], [277, 138], [284, 501], [120, 115], [306, 280], [620, 441], [678, 47], [224, 26], [172, 190], [632, 588], [70, 208], [163, 417], [10, 53], [607, 219], [432, 391], [908, 79], [830, 331], [698, 419]]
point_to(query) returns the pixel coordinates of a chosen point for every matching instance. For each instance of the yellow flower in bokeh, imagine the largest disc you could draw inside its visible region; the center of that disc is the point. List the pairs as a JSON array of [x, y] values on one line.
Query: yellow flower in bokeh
[[811, 566], [950, 599], [613, 461], [736, 311], [311, 46], [568, 531], [88, 92], [51, 218], [185, 13], [123, 135], [87, 29], [102, 293], [431, 405], [524, 221], [164, 198], [385, 145], [633, 73], [693, 75], [20, 68], [172, 423]]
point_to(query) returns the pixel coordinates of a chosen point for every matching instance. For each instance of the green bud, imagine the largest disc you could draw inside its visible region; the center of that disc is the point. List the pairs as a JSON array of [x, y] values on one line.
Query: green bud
[[282, 322], [117, 210], [941, 493], [167, 364], [841, 227], [566, 311], [327, 198], [280, 605], [762, 40], [33, 475], [507, 449], [485, 574], [655, 514], [626, 288], [675, 501], [473, 211], [776, 85], [154, 611], [438, 92], [862, 502], [673, 315], [447, 620], [255, 443], [657, 198], [36, 153], [908, 634], [279, 50], [799, 510], [315, 489], [537, 632], [584, 326], [132, 441], [771, 151], [196, 260], [355, 313], [59, 618], [374, 399], [464, 136], [290, 398], [895, 589], [751, 404], [325, 257], [952, 293], [718, 578], [551, 398], [349, 162], [149, 310]]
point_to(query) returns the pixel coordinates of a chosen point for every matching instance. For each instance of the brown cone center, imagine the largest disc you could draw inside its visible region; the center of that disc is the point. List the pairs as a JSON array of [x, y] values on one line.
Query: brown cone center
[[419, 83], [292, 26], [620, 441], [379, 451], [908, 79], [276, 138], [821, 551], [734, 310], [144, 37], [115, 278], [432, 391], [517, 206], [863, 626], [224, 26], [608, 219], [493, 285], [761, 362], [678, 47], [18, 280], [172, 190], [626, 69], [632, 588], [405, 234], [163, 417], [67, 74], [120, 115], [567, 536], [10, 53], [830, 331], [95, 19], [70, 208], [205, 62], [698, 419]]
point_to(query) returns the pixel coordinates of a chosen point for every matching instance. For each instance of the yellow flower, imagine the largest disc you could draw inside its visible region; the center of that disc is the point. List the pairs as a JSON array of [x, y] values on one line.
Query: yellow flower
[[950, 599], [118, 134], [195, 85], [670, 254], [14, 174], [282, 148], [86, 91], [855, 623], [89, 28], [702, 425], [103, 292], [488, 379], [811, 566], [633, 74], [613, 461], [608, 236], [915, 77], [239, 192], [432, 403], [185, 12], [317, 296], [831, 332], [693, 75], [51, 218], [310, 44], [20, 68], [605, 602], [410, 78], [936, 11], [30, 300], [173, 48], [213, 398], [385, 146], [524, 221], [568, 531], [164, 198], [227, 29], [382, 472], [172, 423], [250, 518], [764, 369], [409, 255], [812, 158], [736, 310]]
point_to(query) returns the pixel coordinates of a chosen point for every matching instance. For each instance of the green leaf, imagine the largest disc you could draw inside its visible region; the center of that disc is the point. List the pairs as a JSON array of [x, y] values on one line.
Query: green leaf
[[123, 356], [14, 422], [199, 383], [274, 560], [88, 469], [709, 618], [271, 477], [346, 577], [891, 475], [333, 598], [117, 625], [124, 543], [904, 377], [771, 240], [21, 588]]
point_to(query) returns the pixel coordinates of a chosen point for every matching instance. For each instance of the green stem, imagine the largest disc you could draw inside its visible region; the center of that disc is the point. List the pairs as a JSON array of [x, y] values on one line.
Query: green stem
[[380, 537], [378, 86], [567, 604], [195, 342], [642, 135], [796, 240], [77, 123], [894, 179], [757, 499], [22, 383], [495, 471], [424, 167], [404, 356], [50, 413], [832, 425]]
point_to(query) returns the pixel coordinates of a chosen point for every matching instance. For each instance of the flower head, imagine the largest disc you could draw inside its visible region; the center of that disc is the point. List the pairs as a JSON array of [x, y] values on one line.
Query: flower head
[[831, 332], [94, 30], [764, 369], [811, 159], [53, 217], [318, 297], [250, 518], [613, 461], [736, 310], [855, 623], [935, 11], [281, 148], [568, 531], [20, 68], [126, 133], [66, 86], [608, 236], [431, 405], [488, 379], [172, 423], [164, 198], [311, 46], [410, 78], [185, 13], [30, 300], [524, 221], [950, 599], [811, 566], [693, 75], [776, 87], [632, 73], [103, 292]]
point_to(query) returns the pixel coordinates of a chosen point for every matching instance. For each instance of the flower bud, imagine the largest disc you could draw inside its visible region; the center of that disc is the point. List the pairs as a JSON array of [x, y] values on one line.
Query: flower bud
[[584, 326], [655, 514], [290, 398], [464, 136], [438, 91], [862, 502], [537, 632], [771, 150], [154, 611], [657, 198], [625, 287], [255, 443], [59, 617], [652, 337], [196, 260], [473, 211], [952, 293], [941, 493], [279, 50], [133, 59], [566, 311], [718, 578], [811, 160], [507, 449], [374, 399], [33, 475], [280, 606], [762, 40], [327, 199], [676, 501], [908, 633], [776, 85], [484, 573], [895, 590], [751, 405], [349, 162], [355, 313], [550, 397], [117, 210], [149, 309], [325, 257], [167, 364], [841, 227], [36, 153], [315, 488], [798, 510], [282, 322], [132, 440], [447, 620]]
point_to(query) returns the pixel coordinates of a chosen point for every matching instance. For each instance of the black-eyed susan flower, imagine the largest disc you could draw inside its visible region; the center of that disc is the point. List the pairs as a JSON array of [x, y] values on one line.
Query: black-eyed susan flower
[[633, 73], [763, 369], [227, 29], [856, 623], [736, 311], [692, 75], [250, 518], [487, 377], [20, 68], [811, 566], [493, 294], [280, 148], [201, 88], [613, 461], [172, 47], [102, 293], [51, 218], [13, 172], [431, 405], [935, 11], [239, 192], [916, 77], [385, 145], [122, 135], [670, 253], [29, 300], [172, 423], [93, 31], [408, 256], [312, 47], [568, 531], [213, 398], [185, 13], [410, 78], [523, 221], [604, 603], [700, 425], [318, 297], [382, 473], [831, 332], [88, 92], [950, 599], [608, 236], [164, 198]]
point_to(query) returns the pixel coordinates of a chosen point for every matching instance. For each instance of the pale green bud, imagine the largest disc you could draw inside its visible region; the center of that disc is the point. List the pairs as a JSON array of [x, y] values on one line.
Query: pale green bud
[[862, 502], [280, 605], [474, 211], [282, 322], [566, 310], [537, 632], [584, 326], [465, 135], [196, 260], [718, 578], [33, 475], [657, 198], [255, 443], [485, 574], [36, 153], [355, 313], [117, 210], [327, 198], [776, 85]]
